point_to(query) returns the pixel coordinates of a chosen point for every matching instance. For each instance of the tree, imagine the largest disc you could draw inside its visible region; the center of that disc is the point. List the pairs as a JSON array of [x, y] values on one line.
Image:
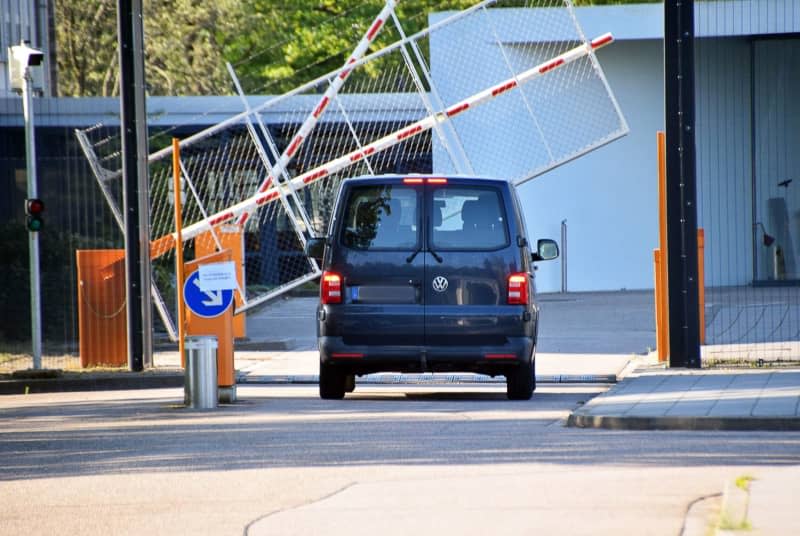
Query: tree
[[275, 45], [185, 44], [86, 52]]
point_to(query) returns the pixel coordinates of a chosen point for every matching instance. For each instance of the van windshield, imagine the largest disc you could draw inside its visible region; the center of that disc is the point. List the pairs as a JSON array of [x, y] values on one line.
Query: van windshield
[[381, 217], [468, 218]]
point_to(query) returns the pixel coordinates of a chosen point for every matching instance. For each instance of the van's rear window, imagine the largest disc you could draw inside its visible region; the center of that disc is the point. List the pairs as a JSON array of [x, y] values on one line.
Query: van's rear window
[[381, 217], [468, 218]]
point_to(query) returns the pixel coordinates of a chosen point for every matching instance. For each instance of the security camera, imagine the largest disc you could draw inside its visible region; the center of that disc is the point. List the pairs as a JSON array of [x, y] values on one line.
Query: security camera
[[22, 59], [27, 56]]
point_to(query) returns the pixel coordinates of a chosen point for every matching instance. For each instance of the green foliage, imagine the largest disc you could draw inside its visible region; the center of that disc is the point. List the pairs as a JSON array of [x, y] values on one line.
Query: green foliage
[[274, 45], [743, 482]]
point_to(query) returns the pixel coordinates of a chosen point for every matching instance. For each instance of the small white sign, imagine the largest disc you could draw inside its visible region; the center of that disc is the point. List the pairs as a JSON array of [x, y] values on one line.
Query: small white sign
[[217, 276]]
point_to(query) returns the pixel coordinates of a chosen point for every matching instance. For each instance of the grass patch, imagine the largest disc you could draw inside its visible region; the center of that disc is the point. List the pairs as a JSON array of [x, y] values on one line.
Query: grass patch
[[727, 524], [743, 482]]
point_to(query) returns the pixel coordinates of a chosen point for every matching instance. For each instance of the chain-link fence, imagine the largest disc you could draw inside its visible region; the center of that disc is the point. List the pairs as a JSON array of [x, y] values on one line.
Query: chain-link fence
[[271, 172], [505, 88], [747, 66]]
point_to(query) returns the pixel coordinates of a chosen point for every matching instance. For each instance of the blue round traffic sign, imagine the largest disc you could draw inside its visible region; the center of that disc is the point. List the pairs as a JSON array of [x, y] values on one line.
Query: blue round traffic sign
[[205, 303]]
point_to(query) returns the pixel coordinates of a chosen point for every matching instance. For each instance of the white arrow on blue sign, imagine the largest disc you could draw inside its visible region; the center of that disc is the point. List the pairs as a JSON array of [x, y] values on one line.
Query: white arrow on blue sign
[[205, 303]]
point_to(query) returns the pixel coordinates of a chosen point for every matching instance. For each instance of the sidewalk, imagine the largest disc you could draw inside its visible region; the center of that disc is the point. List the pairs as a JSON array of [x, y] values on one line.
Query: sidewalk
[[707, 399]]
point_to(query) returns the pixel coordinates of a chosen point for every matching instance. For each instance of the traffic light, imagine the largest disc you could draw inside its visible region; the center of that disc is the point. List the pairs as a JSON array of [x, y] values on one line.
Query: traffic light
[[34, 209]]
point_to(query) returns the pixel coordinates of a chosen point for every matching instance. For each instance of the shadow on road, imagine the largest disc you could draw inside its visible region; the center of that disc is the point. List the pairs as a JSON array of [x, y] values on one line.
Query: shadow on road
[[372, 428]]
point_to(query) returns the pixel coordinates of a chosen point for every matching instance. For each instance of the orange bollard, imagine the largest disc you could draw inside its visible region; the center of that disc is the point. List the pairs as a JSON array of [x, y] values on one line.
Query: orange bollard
[[662, 277], [662, 333], [701, 282], [205, 316]]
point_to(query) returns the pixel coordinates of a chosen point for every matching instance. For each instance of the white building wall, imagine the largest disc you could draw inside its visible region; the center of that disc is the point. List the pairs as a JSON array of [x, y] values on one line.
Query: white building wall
[[609, 197]]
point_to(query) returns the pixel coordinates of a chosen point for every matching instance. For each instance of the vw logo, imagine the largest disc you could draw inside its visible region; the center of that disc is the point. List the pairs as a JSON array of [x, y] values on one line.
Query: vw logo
[[440, 283]]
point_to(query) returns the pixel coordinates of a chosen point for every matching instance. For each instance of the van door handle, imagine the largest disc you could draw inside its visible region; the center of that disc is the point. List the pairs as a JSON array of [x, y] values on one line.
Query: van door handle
[[414, 283]]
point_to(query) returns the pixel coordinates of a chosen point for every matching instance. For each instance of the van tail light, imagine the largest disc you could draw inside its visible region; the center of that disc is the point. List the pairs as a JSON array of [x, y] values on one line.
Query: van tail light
[[518, 289], [331, 288]]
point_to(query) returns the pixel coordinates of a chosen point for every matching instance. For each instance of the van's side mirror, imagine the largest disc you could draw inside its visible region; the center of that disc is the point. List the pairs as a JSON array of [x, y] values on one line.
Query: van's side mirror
[[546, 250], [315, 248]]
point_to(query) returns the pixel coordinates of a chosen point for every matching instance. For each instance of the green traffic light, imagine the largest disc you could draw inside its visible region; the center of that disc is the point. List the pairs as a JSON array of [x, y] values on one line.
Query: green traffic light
[[34, 224]]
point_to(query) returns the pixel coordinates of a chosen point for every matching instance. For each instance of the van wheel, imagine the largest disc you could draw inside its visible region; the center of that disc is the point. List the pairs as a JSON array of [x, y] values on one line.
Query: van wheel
[[350, 383], [521, 382], [332, 382]]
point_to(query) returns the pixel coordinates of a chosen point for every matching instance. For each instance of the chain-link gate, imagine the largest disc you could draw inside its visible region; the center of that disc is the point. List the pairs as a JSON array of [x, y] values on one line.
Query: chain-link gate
[[533, 100]]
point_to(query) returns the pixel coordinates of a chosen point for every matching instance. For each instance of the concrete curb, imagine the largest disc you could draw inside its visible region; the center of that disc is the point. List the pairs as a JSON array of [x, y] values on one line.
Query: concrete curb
[[91, 383], [128, 380], [746, 424]]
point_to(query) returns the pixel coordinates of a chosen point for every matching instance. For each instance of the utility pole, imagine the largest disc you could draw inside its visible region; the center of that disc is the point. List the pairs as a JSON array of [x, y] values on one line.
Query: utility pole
[[21, 60], [136, 198], [683, 293]]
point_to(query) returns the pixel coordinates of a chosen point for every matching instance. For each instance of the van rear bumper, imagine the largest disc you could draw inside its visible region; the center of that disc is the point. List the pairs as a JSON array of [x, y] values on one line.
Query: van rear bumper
[[367, 359]]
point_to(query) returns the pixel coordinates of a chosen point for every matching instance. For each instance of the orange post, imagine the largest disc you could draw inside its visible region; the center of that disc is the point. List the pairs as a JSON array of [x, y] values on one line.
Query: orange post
[[701, 282], [220, 325], [663, 277], [662, 336], [176, 181]]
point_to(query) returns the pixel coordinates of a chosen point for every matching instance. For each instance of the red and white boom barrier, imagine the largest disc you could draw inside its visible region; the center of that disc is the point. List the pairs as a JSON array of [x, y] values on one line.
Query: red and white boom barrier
[[414, 129], [333, 89]]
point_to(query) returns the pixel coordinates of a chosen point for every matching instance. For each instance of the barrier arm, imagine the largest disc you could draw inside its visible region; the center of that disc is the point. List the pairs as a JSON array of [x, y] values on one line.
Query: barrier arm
[[333, 89], [163, 244]]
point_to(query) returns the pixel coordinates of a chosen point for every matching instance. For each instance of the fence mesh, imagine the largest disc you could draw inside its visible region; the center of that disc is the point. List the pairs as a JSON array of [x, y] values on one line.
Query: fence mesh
[[395, 112], [748, 197], [476, 93]]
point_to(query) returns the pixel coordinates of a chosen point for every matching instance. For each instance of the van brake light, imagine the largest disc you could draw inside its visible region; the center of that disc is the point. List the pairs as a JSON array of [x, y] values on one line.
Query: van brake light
[[518, 289], [331, 288], [420, 180]]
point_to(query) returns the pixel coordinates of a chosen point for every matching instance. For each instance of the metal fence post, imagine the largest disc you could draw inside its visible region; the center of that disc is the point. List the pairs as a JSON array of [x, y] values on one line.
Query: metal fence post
[[563, 256]]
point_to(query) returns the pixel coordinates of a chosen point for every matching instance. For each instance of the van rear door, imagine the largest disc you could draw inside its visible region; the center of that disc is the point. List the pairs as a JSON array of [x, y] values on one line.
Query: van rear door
[[379, 237], [472, 250]]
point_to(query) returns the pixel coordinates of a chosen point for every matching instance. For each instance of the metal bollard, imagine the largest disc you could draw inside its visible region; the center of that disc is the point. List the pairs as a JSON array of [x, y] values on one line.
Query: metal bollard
[[200, 380]]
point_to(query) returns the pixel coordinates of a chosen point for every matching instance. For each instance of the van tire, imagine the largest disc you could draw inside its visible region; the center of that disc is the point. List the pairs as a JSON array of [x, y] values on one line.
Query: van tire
[[350, 383], [521, 382], [332, 382]]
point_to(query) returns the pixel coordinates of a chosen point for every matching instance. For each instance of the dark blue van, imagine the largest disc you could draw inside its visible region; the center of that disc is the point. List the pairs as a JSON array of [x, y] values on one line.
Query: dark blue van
[[427, 274]]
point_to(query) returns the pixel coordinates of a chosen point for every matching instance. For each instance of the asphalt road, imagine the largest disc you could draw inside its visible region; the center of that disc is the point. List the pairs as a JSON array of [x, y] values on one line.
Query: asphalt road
[[388, 460]]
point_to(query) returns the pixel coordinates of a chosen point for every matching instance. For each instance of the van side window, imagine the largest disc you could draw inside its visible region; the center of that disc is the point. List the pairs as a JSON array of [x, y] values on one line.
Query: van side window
[[380, 217], [468, 218]]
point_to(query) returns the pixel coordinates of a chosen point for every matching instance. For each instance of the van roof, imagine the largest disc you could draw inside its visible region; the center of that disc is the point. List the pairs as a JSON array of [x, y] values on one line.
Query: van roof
[[396, 176]]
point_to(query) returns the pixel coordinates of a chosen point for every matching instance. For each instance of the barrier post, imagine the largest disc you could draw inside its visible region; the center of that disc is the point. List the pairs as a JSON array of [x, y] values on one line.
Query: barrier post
[[661, 332], [176, 191], [701, 282], [210, 312], [663, 342]]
